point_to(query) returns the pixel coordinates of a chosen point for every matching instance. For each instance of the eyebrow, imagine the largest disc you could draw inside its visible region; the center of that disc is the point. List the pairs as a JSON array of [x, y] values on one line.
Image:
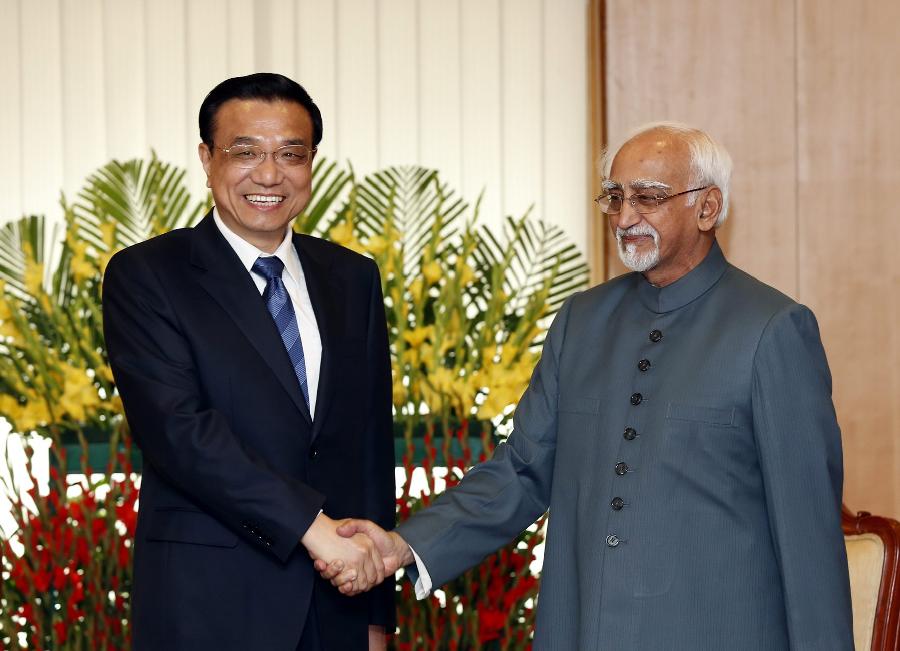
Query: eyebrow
[[610, 185], [649, 184], [243, 140]]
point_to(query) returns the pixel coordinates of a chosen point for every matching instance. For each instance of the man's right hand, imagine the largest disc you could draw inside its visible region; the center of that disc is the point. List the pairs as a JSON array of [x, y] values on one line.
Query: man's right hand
[[359, 557], [394, 552]]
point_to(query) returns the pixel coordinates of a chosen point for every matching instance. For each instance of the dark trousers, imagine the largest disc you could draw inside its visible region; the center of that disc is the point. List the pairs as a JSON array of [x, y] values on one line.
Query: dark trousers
[[311, 640]]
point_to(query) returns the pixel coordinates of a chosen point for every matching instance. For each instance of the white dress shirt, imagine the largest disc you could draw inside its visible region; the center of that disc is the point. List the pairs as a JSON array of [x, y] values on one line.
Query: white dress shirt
[[295, 283]]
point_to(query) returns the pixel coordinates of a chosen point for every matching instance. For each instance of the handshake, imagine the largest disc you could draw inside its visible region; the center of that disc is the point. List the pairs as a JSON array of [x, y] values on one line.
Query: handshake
[[354, 555]]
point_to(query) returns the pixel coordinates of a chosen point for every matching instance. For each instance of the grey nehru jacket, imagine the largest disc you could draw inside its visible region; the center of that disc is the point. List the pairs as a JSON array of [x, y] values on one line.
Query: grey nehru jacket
[[685, 442]]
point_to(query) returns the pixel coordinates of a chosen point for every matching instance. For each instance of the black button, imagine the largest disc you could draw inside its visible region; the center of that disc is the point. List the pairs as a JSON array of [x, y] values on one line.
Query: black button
[[644, 364], [655, 335], [617, 503], [621, 468], [636, 398], [612, 540], [313, 452], [629, 434]]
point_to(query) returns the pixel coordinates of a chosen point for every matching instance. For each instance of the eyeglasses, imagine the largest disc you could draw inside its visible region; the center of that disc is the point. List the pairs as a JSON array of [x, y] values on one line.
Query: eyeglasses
[[611, 203], [249, 156]]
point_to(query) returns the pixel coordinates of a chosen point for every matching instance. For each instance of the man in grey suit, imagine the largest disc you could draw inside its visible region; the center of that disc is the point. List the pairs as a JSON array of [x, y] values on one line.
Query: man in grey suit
[[679, 427]]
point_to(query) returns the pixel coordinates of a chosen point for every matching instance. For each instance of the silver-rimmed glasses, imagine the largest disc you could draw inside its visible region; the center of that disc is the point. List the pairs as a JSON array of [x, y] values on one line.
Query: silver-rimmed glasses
[[249, 156], [611, 203]]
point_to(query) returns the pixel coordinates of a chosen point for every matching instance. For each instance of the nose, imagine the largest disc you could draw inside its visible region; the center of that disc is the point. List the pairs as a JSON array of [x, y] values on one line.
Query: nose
[[626, 217], [267, 173]]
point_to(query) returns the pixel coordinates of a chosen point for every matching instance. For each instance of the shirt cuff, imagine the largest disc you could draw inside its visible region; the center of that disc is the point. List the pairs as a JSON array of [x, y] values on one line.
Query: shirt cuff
[[423, 582]]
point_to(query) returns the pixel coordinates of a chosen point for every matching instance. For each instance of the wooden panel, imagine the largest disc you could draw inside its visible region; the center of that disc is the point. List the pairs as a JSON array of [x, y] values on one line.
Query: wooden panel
[[42, 109], [125, 69], [11, 134], [481, 107], [356, 119], [522, 116], [598, 232], [848, 235], [726, 67], [566, 199], [440, 120], [398, 89]]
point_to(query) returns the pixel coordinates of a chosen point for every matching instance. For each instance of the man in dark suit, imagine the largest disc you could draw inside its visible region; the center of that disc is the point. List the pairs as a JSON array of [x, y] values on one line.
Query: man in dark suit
[[254, 369]]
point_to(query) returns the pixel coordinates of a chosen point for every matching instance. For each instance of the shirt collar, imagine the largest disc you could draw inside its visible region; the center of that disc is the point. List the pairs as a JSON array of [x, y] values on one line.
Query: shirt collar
[[690, 286], [249, 253]]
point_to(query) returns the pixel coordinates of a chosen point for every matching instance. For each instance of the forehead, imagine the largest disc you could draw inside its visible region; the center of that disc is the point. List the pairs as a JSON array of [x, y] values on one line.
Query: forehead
[[653, 155], [260, 119]]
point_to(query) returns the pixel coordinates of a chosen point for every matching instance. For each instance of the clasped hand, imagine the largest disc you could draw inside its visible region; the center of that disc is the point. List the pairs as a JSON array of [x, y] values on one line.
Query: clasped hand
[[354, 555], [359, 558]]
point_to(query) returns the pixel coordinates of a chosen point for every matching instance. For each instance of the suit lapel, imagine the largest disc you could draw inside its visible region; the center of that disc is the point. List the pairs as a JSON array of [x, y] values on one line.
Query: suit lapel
[[227, 281], [322, 289]]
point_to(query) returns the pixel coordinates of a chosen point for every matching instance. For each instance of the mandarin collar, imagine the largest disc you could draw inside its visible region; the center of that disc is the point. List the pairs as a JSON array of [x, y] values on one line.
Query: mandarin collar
[[690, 286]]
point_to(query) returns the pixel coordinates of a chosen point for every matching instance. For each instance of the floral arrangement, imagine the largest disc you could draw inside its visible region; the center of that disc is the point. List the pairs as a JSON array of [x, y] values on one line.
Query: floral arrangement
[[466, 309], [70, 587]]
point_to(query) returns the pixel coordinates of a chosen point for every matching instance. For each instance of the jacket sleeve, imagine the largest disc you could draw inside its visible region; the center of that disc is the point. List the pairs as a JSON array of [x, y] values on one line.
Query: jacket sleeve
[[380, 500], [799, 444], [500, 497], [188, 443]]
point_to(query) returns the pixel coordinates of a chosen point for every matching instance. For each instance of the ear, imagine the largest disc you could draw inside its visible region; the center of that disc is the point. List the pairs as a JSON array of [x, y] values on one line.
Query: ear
[[710, 208], [205, 159]]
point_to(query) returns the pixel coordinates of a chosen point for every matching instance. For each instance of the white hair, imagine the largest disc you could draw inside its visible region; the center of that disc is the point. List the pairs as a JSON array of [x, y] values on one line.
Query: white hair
[[710, 161]]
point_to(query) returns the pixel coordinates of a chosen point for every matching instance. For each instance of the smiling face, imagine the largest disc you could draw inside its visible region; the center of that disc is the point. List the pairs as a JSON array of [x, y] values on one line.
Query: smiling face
[[258, 203], [676, 236]]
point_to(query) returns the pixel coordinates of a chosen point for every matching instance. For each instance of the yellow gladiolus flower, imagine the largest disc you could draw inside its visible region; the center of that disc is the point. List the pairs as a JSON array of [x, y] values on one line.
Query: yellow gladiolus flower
[[8, 328], [343, 234], [6, 311], [376, 245], [34, 277], [415, 288], [79, 394], [108, 231], [32, 415], [410, 356], [465, 273], [432, 272], [399, 394], [417, 336], [495, 403]]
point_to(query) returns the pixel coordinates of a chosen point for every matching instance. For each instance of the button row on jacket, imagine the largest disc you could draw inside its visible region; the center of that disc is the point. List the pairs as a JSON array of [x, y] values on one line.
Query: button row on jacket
[[253, 531]]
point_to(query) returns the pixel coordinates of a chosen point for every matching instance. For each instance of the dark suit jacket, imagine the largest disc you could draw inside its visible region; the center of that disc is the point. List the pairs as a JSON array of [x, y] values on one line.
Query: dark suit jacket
[[234, 469]]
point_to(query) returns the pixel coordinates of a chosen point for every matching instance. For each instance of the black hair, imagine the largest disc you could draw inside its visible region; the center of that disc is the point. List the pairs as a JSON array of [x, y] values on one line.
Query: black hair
[[266, 86]]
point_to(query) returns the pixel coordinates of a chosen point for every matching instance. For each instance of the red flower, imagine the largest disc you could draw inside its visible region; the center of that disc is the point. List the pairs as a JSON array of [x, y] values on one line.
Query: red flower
[[59, 577], [490, 624], [41, 580], [61, 632]]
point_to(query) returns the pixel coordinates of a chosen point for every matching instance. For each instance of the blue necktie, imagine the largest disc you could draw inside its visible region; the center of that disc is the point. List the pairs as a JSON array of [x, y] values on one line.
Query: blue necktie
[[282, 311]]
